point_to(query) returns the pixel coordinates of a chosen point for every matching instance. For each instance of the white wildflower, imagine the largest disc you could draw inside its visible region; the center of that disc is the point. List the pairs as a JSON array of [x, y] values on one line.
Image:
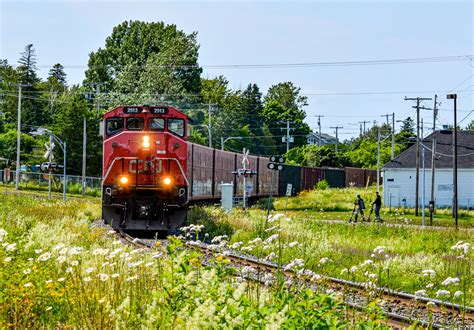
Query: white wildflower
[[324, 260], [218, 239], [430, 303], [101, 301], [11, 247], [247, 248], [74, 263], [61, 259], [100, 252], [429, 285], [131, 278], [27, 271], [271, 256], [61, 279], [256, 241], [75, 250], [59, 246], [442, 293], [429, 272], [271, 228], [38, 251], [149, 264], [135, 264], [3, 233], [49, 308], [7, 259], [420, 293], [275, 217], [69, 270], [103, 277], [157, 255], [343, 271], [451, 280], [236, 245], [48, 281], [87, 279], [353, 269], [45, 256], [379, 250], [63, 251], [457, 294], [367, 262], [296, 263], [27, 285], [266, 247], [293, 244], [116, 242], [272, 238], [115, 275], [89, 270], [248, 270]]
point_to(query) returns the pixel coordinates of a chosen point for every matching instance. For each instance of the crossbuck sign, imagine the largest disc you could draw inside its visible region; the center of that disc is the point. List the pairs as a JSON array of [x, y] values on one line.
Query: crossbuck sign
[[49, 151]]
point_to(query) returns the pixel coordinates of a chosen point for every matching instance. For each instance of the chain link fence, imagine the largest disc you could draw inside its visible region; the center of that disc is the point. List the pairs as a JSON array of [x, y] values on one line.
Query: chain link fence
[[39, 181]]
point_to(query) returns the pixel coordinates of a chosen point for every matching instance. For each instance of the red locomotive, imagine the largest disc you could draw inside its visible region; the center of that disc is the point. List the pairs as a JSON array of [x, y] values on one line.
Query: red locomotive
[[145, 185]]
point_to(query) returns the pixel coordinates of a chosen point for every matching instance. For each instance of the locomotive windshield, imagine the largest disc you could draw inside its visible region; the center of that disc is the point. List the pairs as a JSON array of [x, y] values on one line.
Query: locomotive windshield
[[114, 126], [135, 123], [156, 124], [176, 126]]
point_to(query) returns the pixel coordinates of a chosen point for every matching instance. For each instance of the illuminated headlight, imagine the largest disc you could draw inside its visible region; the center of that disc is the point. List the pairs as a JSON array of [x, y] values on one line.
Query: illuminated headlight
[[123, 180], [146, 142], [167, 181]]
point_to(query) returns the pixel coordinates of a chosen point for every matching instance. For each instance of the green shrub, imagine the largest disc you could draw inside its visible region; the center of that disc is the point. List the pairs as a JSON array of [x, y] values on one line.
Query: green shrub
[[322, 185]]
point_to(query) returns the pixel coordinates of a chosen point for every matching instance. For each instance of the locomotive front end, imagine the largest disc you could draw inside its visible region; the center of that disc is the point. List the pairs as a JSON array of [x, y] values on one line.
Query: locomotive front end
[[145, 184]]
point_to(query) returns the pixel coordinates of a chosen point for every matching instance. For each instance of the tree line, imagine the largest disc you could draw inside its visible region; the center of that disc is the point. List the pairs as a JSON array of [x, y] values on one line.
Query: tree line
[[157, 64]]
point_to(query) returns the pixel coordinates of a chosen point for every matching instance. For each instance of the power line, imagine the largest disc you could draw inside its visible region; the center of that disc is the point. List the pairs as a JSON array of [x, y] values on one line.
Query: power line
[[413, 60]]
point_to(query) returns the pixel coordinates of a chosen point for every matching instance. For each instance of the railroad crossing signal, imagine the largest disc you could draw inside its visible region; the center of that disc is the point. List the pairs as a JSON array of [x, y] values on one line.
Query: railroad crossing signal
[[276, 163], [49, 151], [245, 173]]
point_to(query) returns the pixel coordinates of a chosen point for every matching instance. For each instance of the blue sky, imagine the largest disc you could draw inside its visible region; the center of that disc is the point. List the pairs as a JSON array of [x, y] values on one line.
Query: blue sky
[[270, 32]]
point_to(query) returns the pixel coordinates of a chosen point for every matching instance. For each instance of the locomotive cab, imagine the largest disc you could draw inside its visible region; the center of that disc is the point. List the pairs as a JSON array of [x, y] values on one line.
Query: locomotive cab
[[145, 185]]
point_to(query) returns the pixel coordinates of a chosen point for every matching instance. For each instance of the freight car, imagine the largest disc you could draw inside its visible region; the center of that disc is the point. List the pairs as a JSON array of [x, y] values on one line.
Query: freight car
[[151, 172]]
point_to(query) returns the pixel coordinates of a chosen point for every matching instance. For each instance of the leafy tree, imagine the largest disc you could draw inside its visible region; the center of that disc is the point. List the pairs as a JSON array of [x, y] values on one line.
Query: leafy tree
[[288, 96], [314, 156], [283, 102], [67, 124], [408, 125], [9, 92], [146, 63], [57, 75], [27, 68], [28, 143]]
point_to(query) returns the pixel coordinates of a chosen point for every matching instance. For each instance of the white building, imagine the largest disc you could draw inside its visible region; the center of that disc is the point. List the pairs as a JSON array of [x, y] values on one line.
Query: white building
[[324, 140], [399, 175]]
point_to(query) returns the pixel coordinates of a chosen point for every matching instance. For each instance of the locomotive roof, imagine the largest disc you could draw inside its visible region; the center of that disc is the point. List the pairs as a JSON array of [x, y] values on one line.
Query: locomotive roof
[[141, 107]]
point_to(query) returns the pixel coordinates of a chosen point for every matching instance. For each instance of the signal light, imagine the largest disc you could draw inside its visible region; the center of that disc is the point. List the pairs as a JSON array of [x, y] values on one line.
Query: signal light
[[167, 181], [146, 142], [123, 180]]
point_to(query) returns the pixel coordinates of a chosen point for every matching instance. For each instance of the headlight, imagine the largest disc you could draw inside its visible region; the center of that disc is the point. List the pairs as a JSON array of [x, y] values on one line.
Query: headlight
[[123, 180], [167, 181], [146, 142]]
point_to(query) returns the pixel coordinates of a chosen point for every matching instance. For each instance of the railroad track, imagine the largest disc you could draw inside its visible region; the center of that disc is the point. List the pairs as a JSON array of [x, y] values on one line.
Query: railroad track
[[402, 309]]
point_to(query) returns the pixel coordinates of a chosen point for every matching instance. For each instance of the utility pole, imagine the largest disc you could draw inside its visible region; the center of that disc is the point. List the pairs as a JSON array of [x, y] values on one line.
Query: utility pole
[[435, 113], [288, 138], [364, 122], [84, 137], [337, 136], [455, 165], [393, 136], [319, 126], [424, 176], [386, 116], [209, 124], [18, 137], [417, 107], [433, 167], [378, 159]]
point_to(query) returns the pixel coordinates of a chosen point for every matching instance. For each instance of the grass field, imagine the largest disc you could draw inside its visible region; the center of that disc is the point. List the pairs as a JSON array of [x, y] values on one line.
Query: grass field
[[59, 272], [337, 204]]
